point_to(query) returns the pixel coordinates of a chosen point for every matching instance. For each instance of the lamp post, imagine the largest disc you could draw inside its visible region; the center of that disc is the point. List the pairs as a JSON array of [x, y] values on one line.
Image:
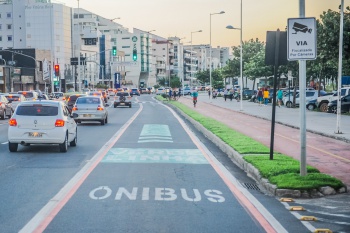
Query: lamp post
[[219, 13], [148, 57], [191, 56], [241, 59]]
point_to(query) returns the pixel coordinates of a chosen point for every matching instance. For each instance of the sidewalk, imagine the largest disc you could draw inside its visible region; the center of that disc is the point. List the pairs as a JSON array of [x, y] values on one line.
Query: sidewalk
[[326, 153]]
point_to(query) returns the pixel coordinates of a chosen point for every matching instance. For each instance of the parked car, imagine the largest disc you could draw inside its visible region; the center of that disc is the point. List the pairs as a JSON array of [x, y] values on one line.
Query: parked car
[[5, 107], [345, 105], [311, 104], [134, 91], [187, 91], [322, 101], [247, 94], [309, 95], [160, 91], [42, 122], [14, 99], [90, 108]]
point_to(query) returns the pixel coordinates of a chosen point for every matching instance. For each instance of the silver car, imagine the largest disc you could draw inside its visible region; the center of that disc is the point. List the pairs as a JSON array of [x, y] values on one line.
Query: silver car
[[15, 99], [90, 108]]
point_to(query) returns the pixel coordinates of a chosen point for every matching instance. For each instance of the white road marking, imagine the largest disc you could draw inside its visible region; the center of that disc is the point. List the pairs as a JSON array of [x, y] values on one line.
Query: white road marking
[[4, 143]]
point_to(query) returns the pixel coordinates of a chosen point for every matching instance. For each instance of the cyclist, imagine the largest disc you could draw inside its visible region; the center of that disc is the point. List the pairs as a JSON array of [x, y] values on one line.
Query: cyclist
[[194, 95]]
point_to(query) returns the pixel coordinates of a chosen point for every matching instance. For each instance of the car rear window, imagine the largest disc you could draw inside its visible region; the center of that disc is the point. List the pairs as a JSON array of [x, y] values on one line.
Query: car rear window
[[73, 97], [88, 101], [13, 98], [37, 110], [28, 94]]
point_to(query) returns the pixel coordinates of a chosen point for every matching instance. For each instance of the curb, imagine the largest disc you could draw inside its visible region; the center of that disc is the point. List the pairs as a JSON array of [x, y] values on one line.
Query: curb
[[254, 173]]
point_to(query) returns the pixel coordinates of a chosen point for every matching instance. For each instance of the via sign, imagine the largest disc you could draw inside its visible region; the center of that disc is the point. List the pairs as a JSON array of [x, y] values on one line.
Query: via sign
[[301, 38]]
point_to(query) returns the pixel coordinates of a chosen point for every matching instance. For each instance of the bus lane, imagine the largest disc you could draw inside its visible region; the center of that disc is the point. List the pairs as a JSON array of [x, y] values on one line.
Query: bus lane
[[155, 176]]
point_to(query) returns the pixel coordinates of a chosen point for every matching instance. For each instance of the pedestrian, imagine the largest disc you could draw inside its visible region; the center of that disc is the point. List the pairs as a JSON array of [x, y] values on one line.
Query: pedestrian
[[266, 96], [170, 93], [209, 92], [225, 94], [279, 97], [260, 96], [231, 93]]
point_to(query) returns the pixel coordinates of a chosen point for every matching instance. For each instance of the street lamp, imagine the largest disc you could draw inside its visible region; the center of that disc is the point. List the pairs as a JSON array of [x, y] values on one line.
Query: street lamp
[[191, 56], [219, 13], [148, 53], [241, 59]]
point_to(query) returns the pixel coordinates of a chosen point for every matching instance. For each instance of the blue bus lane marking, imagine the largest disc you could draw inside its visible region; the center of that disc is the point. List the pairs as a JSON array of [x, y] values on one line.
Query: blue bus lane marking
[[146, 155]]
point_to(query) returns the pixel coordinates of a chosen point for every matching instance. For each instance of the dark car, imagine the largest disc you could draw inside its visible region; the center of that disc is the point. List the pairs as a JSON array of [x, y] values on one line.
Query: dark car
[[247, 94], [71, 100], [122, 99], [345, 105], [134, 91]]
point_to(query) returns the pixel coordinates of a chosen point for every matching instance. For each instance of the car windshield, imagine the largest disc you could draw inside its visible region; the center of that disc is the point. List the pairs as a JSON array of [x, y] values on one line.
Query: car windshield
[[88, 101], [37, 110]]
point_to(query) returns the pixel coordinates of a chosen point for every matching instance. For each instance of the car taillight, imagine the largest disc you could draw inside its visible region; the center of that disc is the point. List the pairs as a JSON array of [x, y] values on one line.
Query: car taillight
[[64, 98], [59, 123], [12, 122], [99, 108], [75, 108]]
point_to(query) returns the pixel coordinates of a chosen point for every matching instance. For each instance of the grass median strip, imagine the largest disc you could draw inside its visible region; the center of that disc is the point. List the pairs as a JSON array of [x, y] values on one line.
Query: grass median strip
[[283, 171]]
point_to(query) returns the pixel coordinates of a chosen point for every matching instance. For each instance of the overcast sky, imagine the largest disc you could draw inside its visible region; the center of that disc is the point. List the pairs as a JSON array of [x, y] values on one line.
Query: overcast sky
[[181, 17]]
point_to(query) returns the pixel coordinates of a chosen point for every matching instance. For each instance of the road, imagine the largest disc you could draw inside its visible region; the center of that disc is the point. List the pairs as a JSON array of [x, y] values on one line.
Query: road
[[145, 171]]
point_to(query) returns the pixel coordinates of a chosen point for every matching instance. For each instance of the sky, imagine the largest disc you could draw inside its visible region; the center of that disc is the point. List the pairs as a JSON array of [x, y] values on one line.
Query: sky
[[181, 17]]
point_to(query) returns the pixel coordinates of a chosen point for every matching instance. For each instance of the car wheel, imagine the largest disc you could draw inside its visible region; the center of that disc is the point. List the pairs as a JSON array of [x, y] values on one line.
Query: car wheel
[[324, 107], [334, 109], [75, 141], [310, 107], [13, 147], [3, 115], [115, 105], [106, 120], [103, 122], [130, 106], [289, 104], [64, 146]]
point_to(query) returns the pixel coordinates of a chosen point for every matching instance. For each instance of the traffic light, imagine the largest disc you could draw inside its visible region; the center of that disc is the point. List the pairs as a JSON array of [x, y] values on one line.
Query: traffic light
[[57, 70], [56, 83], [134, 54], [114, 51]]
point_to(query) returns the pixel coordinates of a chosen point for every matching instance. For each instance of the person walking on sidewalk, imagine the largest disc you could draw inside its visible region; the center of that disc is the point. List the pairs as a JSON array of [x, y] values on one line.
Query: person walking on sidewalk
[[266, 96], [260, 96], [194, 95], [279, 97], [225, 94], [209, 92]]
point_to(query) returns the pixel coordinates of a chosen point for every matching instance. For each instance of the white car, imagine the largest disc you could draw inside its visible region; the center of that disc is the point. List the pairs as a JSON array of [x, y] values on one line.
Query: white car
[[90, 108], [309, 95], [42, 122]]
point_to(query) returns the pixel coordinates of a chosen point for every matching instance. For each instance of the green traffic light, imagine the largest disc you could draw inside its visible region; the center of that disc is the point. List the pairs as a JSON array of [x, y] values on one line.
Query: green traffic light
[[114, 51]]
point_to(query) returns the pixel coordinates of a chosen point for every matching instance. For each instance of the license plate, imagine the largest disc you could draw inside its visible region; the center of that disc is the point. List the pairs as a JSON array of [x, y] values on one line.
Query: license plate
[[35, 135], [122, 103], [87, 115]]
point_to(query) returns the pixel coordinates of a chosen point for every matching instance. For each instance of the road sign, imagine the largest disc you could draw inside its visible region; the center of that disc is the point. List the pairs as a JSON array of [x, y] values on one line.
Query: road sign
[[302, 39], [125, 63]]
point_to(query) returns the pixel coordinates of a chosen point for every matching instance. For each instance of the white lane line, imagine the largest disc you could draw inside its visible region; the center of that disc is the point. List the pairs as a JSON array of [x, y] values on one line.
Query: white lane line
[[43, 218], [233, 181], [4, 143]]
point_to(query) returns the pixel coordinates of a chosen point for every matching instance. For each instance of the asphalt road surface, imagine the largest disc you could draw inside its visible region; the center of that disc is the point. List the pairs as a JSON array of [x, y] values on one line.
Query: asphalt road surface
[[144, 171]]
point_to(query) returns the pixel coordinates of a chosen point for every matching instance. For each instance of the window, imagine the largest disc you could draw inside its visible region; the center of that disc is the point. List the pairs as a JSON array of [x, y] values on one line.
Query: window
[[9, 26], [37, 110], [125, 38], [0, 27], [8, 15], [124, 47], [0, 38], [9, 38]]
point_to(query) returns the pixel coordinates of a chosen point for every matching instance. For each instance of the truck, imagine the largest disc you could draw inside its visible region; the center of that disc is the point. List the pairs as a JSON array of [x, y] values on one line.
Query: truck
[[322, 102]]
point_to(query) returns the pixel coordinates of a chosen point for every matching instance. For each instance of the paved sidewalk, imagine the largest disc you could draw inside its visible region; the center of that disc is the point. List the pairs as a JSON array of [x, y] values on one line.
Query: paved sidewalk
[[328, 154]]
